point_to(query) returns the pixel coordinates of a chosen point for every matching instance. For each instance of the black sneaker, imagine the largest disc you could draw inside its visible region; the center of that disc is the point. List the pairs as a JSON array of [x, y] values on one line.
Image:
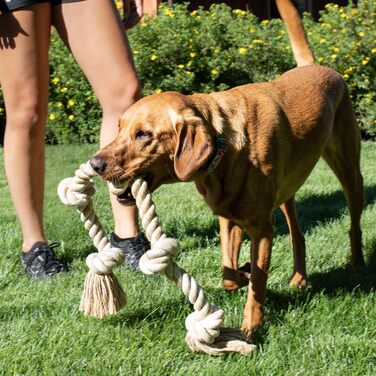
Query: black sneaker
[[40, 261], [133, 249]]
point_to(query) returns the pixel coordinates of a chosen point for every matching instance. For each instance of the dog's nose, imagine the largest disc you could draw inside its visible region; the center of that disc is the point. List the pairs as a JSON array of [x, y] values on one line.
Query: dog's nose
[[98, 164]]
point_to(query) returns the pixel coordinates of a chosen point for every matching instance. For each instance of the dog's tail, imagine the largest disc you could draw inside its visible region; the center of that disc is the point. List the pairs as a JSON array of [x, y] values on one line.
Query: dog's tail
[[295, 30]]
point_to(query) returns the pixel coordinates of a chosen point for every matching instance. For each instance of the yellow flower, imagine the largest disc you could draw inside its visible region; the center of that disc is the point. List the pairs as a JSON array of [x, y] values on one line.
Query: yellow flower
[[71, 117], [187, 72], [192, 54], [71, 103], [135, 52], [52, 117], [194, 13], [257, 41], [322, 40], [320, 59], [239, 11], [264, 22], [153, 57], [119, 4], [214, 72], [365, 61], [169, 13], [242, 50], [181, 66], [334, 56], [55, 80], [361, 34], [144, 24], [346, 76], [335, 49], [157, 91], [1, 110], [373, 50], [64, 89], [59, 104]]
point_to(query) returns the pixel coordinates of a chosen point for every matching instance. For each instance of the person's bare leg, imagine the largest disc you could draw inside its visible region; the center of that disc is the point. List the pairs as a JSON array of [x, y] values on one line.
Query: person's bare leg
[[104, 55], [24, 76]]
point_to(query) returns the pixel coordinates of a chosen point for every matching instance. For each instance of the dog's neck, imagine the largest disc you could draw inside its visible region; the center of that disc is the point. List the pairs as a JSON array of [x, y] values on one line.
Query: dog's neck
[[219, 151]]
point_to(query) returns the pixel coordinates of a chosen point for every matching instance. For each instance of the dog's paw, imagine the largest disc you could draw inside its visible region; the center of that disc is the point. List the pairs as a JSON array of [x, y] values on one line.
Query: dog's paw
[[299, 281], [253, 332]]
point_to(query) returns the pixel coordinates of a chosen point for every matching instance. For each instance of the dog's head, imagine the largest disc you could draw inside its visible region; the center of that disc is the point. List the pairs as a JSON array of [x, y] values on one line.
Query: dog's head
[[162, 138]]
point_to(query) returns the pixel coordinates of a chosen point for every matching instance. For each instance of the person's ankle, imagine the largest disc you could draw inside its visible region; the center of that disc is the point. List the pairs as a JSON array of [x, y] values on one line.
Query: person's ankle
[[28, 243], [127, 233]]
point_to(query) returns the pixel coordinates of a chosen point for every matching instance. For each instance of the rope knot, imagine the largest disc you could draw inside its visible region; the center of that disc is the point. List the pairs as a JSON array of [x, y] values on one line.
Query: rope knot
[[72, 192], [204, 329], [157, 259], [105, 261]]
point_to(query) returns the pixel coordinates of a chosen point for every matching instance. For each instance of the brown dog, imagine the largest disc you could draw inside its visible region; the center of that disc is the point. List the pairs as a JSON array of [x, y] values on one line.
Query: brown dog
[[248, 150]]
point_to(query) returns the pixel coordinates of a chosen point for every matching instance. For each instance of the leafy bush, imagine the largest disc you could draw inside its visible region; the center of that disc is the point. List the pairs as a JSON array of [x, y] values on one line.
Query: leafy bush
[[204, 51]]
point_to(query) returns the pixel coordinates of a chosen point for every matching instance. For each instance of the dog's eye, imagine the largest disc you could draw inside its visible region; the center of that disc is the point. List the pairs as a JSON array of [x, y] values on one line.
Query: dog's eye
[[143, 135]]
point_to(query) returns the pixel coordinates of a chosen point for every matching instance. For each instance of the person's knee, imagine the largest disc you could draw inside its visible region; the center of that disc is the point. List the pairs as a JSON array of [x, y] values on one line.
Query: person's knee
[[122, 98], [27, 118]]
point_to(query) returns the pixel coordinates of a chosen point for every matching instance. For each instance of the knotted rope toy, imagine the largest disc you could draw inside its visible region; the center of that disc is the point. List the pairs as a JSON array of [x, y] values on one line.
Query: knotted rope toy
[[103, 295]]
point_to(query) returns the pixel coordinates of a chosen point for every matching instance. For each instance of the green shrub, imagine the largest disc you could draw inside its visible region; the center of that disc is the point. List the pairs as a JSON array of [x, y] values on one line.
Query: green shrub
[[205, 51]]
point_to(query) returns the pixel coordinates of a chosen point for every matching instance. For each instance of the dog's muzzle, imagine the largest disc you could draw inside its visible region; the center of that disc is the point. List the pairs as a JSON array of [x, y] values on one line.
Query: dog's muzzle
[[98, 164]]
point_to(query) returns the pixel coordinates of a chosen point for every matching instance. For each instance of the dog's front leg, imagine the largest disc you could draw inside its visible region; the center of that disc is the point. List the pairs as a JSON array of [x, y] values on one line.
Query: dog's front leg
[[231, 240], [261, 248]]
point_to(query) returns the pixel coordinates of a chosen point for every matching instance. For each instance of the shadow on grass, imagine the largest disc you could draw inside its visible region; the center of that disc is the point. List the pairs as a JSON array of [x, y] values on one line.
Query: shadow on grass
[[316, 209], [348, 278], [312, 211], [70, 255], [155, 314]]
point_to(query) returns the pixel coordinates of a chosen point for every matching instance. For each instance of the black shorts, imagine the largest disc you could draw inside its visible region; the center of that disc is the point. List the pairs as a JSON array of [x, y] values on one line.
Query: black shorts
[[9, 5]]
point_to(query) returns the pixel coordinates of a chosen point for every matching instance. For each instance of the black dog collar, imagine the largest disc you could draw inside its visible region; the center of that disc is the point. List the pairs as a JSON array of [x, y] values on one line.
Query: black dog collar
[[220, 150]]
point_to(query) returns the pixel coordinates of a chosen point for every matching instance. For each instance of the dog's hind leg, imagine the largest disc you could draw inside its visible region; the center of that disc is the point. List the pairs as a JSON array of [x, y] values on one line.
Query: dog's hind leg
[[299, 275], [231, 240], [342, 154]]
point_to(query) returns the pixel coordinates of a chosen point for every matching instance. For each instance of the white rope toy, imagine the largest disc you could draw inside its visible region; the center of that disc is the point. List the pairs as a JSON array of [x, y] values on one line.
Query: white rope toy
[[204, 325]]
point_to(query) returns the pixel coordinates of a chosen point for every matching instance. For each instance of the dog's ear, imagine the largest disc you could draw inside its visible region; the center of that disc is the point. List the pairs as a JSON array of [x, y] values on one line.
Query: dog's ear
[[194, 146]]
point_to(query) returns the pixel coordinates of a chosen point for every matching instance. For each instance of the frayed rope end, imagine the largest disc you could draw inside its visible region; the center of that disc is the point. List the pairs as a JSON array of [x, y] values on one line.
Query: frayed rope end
[[102, 295]]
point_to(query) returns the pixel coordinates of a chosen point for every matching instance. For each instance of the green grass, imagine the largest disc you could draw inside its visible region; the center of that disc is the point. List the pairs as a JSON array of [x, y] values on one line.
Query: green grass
[[329, 329]]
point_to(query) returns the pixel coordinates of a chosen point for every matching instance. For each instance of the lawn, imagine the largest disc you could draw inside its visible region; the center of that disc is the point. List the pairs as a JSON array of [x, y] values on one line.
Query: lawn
[[329, 329]]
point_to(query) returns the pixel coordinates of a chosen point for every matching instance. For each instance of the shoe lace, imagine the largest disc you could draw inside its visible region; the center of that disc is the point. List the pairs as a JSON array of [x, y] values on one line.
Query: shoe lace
[[50, 261]]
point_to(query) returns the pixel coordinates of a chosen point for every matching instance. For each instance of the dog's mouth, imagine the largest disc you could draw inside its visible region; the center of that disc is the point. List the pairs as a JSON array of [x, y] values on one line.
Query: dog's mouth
[[126, 197], [123, 191]]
